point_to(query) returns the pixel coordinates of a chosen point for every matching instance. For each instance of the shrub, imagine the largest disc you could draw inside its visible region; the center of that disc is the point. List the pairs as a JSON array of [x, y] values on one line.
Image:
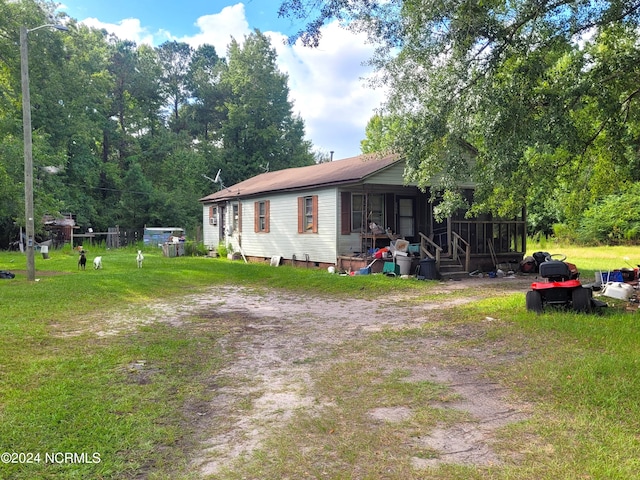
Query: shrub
[[564, 233], [195, 249], [614, 220], [222, 250]]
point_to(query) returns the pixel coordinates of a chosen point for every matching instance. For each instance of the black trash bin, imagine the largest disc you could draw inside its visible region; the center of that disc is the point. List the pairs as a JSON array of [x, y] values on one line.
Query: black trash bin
[[427, 269]]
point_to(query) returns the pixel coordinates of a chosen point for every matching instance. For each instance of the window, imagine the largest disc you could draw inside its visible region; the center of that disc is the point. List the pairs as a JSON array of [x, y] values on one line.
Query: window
[[308, 214], [366, 209], [405, 217], [213, 215], [261, 212], [357, 213], [237, 218]]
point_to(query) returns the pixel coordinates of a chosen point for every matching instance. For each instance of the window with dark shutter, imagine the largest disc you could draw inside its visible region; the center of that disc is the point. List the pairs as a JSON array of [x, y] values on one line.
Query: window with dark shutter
[[308, 214], [213, 215], [261, 216]]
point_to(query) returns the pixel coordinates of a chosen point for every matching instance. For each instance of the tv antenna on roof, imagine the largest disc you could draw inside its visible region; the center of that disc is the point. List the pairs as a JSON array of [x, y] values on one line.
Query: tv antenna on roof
[[265, 167], [215, 180]]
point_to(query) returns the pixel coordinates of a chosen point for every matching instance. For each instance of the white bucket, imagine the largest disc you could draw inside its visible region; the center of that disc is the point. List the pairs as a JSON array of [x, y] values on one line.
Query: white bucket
[[405, 264]]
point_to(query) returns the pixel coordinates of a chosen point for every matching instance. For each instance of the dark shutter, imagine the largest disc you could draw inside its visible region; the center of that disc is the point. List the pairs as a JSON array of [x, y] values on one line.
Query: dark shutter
[[345, 213], [300, 214], [314, 206]]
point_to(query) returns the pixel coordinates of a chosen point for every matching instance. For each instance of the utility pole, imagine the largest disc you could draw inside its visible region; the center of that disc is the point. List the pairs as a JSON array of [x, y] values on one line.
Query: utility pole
[[28, 147], [28, 156]]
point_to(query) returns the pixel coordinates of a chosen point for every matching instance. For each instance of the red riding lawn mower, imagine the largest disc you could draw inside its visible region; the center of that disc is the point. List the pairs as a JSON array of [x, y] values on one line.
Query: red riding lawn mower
[[560, 288]]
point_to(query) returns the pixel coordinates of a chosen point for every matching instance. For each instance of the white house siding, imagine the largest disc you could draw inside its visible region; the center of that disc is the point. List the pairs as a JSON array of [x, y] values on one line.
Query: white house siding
[[210, 233], [283, 238], [347, 244]]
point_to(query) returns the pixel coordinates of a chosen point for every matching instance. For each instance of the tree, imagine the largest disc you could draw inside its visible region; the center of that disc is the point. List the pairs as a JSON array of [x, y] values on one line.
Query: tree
[[175, 58], [204, 80], [615, 219], [146, 91], [379, 134], [322, 156], [349, 12], [102, 149], [135, 202], [46, 75], [528, 98], [260, 131]]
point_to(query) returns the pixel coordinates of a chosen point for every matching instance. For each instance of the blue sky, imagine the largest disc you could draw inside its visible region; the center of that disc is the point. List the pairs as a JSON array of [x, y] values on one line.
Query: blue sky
[[327, 83]]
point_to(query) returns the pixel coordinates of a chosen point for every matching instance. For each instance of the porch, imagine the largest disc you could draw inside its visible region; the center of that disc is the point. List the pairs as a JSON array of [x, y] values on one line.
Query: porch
[[475, 245], [457, 245], [457, 259]]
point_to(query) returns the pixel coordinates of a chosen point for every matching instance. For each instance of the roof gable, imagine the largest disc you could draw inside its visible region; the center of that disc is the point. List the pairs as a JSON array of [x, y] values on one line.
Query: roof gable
[[350, 170]]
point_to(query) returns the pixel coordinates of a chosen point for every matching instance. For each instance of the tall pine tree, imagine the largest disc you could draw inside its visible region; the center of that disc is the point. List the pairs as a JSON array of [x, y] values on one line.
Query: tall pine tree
[[261, 131]]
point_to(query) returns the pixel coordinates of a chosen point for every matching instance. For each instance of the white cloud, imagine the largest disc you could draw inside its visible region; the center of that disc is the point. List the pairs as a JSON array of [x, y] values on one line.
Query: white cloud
[[217, 29], [127, 29], [326, 83]]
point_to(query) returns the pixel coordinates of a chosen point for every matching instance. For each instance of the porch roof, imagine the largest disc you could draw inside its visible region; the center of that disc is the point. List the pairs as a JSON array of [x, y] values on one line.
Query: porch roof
[[338, 172]]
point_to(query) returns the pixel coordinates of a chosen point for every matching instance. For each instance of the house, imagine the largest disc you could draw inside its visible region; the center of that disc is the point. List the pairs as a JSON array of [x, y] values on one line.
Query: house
[[321, 215]]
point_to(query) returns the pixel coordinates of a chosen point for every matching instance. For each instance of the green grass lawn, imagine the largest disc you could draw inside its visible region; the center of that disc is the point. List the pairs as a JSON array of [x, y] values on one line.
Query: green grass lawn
[[63, 393], [116, 402]]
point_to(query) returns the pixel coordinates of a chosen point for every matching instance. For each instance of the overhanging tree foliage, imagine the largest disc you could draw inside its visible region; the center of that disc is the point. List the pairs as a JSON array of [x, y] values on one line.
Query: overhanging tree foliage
[[534, 99]]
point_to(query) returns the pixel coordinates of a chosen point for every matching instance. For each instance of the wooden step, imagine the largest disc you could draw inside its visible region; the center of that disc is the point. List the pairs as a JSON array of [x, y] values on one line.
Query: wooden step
[[451, 269]]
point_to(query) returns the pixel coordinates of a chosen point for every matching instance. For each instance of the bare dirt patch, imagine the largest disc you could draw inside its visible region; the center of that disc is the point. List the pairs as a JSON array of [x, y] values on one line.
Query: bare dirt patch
[[282, 333], [277, 343]]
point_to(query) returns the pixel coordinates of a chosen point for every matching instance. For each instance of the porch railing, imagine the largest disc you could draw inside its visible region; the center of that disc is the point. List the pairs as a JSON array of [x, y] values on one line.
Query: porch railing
[[428, 248], [508, 236], [460, 249]]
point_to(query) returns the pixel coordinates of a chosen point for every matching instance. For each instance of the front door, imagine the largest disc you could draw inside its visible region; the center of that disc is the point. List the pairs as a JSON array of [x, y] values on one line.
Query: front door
[[406, 217]]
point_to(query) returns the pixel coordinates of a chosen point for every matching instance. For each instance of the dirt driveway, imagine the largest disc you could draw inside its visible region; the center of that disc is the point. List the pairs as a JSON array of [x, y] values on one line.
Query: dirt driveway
[[269, 376]]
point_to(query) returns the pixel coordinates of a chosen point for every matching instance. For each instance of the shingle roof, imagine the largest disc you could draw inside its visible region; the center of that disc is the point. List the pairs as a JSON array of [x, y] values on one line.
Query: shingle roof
[[323, 174]]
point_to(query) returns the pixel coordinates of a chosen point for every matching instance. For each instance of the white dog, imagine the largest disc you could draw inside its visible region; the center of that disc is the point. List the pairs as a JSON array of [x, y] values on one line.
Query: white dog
[[97, 263], [139, 258]]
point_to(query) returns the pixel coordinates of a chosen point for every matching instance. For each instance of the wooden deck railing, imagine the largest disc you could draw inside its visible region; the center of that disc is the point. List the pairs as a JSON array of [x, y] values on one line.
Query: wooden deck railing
[[428, 248], [460, 248]]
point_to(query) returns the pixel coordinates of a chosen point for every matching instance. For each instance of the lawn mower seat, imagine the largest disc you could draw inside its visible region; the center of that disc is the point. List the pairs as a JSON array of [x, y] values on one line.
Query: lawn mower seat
[[555, 271]]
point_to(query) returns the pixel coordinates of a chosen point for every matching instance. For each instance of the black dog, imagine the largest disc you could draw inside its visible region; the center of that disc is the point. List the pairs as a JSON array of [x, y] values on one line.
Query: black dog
[[82, 261]]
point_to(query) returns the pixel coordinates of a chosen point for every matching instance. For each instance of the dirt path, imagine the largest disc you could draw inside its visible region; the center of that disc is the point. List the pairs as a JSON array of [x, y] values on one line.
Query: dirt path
[[272, 336], [267, 377]]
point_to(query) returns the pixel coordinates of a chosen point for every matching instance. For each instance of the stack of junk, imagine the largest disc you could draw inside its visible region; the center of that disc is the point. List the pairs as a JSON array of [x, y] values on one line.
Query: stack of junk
[[399, 259], [619, 284]]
